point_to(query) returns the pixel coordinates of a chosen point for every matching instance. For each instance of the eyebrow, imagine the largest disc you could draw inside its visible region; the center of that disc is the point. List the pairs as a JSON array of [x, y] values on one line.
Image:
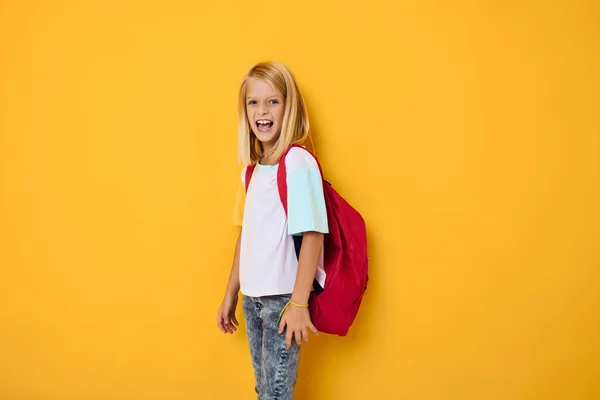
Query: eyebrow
[[270, 97]]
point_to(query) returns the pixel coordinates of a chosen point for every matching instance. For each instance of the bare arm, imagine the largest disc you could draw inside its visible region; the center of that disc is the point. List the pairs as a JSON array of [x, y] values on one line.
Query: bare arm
[[226, 319], [233, 284], [297, 319], [310, 252]]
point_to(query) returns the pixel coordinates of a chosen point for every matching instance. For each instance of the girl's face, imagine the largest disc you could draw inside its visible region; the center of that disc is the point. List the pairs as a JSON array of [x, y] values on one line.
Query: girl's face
[[265, 108]]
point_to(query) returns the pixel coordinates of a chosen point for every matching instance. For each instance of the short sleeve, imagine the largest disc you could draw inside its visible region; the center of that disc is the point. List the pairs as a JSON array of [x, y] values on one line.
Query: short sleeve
[[306, 200], [240, 200]]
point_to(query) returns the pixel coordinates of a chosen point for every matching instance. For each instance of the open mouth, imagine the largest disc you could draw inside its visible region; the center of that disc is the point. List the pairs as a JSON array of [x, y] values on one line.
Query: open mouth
[[264, 125]]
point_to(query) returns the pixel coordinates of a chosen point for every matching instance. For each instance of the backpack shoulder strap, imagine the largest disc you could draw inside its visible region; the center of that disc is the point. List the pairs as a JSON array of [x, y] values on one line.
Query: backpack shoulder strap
[[249, 171]]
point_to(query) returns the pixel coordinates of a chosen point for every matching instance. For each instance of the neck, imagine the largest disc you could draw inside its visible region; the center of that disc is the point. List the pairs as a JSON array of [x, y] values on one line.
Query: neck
[[270, 160], [267, 156]]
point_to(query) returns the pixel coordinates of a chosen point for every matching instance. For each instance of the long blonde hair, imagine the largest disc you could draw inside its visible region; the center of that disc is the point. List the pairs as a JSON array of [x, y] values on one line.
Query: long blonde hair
[[295, 127]]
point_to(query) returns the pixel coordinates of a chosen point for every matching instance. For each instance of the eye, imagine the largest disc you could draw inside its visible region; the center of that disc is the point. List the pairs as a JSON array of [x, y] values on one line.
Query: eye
[[274, 101], [250, 102]]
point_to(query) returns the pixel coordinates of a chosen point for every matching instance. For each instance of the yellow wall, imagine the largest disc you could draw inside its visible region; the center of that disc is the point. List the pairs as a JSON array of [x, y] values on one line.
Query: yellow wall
[[467, 134]]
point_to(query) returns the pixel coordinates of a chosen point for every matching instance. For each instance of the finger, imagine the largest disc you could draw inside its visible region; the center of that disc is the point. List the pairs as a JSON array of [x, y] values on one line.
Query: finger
[[298, 337], [234, 319], [281, 326], [312, 328], [220, 323], [221, 327], [288, 338], [305, 335], [227, 325], [225, 328], [232, 325]]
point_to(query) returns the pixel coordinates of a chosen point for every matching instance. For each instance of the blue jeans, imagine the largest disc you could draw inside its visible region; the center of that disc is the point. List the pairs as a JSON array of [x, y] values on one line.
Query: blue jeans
[[275, 366]]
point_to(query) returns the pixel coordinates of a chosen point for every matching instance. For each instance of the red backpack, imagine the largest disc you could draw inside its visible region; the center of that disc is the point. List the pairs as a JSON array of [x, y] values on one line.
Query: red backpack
[[334, 307]]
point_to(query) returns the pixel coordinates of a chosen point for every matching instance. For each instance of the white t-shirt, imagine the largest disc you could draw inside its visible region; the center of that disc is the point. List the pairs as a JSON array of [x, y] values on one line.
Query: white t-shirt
[[268, 261]]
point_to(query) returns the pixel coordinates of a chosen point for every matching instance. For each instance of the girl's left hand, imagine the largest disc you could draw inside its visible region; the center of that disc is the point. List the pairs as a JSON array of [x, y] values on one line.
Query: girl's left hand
[[298, 323]]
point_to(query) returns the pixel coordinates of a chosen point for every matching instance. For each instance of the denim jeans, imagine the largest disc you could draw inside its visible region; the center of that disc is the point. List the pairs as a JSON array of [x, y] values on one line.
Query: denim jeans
[[275, 366]]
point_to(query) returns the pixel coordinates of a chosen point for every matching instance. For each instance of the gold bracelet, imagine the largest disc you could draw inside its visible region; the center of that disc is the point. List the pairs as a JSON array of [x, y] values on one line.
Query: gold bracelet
[[292, 303], [298, 305]]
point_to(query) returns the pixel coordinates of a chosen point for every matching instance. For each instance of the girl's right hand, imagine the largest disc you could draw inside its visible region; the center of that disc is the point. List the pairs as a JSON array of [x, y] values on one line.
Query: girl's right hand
[[226, 319]]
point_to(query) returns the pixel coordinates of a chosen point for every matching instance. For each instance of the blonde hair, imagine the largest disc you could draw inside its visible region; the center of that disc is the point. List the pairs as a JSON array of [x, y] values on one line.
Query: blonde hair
[[295, 127]]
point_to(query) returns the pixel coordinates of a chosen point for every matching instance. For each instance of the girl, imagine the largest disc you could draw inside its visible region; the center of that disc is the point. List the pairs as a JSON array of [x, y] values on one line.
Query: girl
[[275, 280]]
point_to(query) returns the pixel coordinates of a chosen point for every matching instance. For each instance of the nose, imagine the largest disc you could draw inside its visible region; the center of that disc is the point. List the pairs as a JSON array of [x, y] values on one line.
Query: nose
[[262, 110]]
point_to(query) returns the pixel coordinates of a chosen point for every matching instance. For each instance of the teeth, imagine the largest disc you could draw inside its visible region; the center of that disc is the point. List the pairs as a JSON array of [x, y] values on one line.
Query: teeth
[[263, 121]]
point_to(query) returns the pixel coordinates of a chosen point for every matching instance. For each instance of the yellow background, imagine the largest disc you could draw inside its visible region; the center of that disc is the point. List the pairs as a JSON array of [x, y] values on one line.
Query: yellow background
[[467, 133]]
